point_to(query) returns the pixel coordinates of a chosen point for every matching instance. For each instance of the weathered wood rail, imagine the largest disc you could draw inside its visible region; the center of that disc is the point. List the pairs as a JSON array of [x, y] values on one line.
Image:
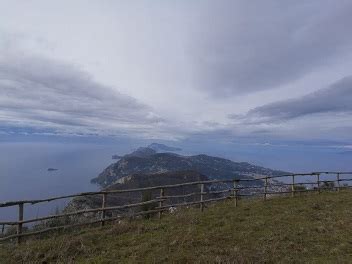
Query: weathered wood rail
[[236, 188]]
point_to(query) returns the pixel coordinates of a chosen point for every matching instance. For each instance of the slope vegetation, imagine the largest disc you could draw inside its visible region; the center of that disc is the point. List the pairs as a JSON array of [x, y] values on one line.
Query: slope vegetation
[[313, 228]]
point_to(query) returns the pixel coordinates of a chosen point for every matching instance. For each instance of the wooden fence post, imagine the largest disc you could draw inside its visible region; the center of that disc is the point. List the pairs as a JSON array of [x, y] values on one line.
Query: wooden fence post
[[293, 186], [234, 192], [265, 187], [19, 225], [318, 182], [338, 181], [103, 206], [201, 197], [161, 202]]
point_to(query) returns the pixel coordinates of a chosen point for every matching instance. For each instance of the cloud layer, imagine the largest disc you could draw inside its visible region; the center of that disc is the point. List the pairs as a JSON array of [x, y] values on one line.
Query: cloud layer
[[43, 93], [336, 99]]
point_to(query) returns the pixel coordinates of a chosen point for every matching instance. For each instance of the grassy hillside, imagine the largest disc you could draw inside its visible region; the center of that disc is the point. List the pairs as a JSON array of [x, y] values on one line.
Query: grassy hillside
[[311, 228]]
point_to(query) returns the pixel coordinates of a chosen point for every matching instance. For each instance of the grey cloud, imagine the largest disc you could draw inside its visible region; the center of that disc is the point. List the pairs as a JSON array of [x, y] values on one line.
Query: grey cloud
[[247, 46], [39, 92], [337, 98]]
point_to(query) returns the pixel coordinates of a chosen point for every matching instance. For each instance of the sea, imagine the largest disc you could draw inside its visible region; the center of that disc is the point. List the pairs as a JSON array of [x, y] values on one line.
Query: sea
[[24, 173]]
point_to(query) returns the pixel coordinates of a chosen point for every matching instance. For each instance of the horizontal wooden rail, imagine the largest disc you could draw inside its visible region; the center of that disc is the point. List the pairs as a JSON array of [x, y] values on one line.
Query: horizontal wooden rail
[[218, 192], [79, 224], [158, 209], [195, 202], [178, 196], [86, 211]]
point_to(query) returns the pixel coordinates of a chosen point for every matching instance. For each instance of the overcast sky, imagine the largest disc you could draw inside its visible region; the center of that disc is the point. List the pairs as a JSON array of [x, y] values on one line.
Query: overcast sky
[[158, 69]]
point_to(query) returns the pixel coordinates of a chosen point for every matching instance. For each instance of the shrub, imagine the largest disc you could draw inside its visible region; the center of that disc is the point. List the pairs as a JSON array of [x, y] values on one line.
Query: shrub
[[328, 185]]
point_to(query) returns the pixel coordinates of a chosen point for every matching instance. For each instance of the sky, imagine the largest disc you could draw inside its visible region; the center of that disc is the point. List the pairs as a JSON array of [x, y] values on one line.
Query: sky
[[253, 72]]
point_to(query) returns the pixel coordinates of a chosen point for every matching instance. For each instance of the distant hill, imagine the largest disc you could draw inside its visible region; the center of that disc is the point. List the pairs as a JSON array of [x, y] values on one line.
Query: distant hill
[[141, 152], [145, 167], [162, 148], [148, 161], [149, 150]]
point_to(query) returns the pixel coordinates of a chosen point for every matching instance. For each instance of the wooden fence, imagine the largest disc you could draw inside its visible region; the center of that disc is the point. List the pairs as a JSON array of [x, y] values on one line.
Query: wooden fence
[[235, 189]]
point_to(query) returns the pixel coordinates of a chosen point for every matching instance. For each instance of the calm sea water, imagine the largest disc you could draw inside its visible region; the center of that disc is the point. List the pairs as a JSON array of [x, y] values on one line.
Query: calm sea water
[[24, 172]]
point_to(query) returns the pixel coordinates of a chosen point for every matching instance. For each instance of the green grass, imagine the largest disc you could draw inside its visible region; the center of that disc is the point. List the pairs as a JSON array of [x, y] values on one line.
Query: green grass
[[313, 228]]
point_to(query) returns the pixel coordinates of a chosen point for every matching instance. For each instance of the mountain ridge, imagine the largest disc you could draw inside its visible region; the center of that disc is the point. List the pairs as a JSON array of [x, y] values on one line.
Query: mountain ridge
[[162, 147]]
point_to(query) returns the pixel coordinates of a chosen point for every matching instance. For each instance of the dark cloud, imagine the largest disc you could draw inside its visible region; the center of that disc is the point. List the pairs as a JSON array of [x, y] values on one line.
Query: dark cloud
[[246, 46], [337, 98], [39, 92]]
